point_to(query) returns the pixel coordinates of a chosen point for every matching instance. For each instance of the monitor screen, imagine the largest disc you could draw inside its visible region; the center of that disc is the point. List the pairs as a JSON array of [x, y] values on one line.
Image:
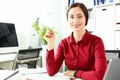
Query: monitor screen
[[8, 38]]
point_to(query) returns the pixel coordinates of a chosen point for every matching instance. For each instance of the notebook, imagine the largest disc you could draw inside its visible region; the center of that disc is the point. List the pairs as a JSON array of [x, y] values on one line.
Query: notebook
[[113, 70]]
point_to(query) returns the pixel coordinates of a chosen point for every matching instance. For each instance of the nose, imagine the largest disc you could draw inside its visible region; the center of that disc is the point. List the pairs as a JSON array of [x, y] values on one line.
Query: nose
[[75, 20]]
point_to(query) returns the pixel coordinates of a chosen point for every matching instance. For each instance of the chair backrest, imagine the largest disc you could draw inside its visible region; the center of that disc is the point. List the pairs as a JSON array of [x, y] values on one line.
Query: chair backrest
[[28, 53], [27, 56]]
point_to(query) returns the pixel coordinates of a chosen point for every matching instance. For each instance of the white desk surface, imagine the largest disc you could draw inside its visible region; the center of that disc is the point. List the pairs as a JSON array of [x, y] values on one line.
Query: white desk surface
[[33, 74]]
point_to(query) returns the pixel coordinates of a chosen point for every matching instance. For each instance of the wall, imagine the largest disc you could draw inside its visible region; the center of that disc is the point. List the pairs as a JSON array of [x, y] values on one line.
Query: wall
[[24, 12]]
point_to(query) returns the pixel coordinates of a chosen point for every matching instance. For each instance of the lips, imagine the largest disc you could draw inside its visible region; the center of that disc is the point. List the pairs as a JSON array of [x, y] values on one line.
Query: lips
[[76, 26]]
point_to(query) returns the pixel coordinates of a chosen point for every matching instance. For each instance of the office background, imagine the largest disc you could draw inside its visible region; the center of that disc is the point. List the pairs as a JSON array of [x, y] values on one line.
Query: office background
[[24, 13], [104, 19]]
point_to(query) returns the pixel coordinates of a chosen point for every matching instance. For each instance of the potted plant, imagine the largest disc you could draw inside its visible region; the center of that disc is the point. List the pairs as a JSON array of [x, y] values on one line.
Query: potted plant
[[41, 30]]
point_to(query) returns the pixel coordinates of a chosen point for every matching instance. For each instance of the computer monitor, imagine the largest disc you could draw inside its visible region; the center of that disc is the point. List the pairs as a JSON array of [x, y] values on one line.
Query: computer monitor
[[8, 38]]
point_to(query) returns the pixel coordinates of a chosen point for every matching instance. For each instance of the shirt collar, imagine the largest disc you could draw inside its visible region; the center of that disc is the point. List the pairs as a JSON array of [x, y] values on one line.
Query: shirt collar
[[84, 39]]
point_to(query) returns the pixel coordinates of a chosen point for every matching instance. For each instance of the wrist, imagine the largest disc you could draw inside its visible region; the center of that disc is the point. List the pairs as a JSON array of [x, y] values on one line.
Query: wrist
[[75, 73], [50, 46]]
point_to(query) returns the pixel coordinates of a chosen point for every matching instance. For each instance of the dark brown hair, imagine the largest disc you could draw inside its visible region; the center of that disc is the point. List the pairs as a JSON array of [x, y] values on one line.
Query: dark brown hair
[[83, 7]]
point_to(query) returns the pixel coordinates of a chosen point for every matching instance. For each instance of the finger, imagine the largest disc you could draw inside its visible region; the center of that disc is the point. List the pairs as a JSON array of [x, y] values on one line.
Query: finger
[[50, 35], [65, 73]]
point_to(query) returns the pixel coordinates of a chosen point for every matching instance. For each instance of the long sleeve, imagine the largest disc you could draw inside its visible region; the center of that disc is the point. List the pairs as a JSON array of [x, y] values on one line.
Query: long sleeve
[[100, 64], [54, 62], [87, 56]]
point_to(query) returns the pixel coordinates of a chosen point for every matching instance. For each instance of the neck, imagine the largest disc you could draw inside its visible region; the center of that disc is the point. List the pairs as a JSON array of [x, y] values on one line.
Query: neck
[[78, 35]]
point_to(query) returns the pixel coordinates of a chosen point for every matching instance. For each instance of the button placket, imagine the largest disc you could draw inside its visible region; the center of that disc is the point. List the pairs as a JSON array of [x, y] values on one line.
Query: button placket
[[77, 52]]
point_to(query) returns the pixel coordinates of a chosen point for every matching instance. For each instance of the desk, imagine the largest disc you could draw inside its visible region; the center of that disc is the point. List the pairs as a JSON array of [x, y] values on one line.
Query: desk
[[35, 74]]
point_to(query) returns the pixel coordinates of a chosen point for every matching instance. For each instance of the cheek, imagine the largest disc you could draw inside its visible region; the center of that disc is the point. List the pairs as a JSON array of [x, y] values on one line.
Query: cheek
[[84, 20], [69, 22]]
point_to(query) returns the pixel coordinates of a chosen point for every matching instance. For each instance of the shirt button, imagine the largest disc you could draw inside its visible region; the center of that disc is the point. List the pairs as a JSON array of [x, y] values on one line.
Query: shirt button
[[77, 53], [77, 46]]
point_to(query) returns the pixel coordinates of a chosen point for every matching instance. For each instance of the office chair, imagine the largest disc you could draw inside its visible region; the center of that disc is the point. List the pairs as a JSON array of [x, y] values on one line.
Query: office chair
[[27, 56]]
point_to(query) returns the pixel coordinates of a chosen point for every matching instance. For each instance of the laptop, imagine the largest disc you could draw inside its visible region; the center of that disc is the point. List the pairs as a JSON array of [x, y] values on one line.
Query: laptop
[[113, 70]]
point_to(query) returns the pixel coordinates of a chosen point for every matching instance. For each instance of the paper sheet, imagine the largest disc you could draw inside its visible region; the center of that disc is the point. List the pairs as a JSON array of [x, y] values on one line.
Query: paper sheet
[[45, 76], [33, 71], [5, 73]]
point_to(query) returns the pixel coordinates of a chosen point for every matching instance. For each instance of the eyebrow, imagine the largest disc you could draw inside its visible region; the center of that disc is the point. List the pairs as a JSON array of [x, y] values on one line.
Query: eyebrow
[[73, 14], [79, 14]]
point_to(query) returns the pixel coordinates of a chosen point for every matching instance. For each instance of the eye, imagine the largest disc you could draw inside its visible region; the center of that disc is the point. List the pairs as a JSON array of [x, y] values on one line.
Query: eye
[[71, 17], [79, 16]]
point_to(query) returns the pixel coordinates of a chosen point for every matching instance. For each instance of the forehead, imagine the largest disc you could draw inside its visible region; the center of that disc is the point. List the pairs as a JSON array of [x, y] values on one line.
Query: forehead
[[75, 10]]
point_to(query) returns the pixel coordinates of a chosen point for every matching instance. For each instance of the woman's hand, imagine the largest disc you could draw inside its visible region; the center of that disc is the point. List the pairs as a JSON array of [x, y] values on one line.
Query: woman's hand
[[69, 73], [50, 37]]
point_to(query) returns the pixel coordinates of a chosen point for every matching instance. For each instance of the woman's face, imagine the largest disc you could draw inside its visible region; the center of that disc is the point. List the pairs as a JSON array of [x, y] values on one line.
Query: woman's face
[[76, 19]]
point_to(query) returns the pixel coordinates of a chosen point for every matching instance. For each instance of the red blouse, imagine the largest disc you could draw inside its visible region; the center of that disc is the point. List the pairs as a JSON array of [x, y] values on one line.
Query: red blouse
[[87, 56]]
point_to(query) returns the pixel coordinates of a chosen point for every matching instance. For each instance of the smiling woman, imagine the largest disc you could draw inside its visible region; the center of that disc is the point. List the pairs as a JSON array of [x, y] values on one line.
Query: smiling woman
[[83, 53]]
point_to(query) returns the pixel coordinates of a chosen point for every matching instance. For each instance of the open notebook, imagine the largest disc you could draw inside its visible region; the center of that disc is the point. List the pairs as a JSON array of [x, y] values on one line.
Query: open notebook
[[113, 70]]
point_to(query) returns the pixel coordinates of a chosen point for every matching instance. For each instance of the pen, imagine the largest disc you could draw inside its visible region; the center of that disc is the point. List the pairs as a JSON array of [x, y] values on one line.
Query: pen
[[11, 75]]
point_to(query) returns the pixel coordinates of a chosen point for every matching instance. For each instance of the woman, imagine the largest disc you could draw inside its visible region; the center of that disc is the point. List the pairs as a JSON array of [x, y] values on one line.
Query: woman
[[84, 53]]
